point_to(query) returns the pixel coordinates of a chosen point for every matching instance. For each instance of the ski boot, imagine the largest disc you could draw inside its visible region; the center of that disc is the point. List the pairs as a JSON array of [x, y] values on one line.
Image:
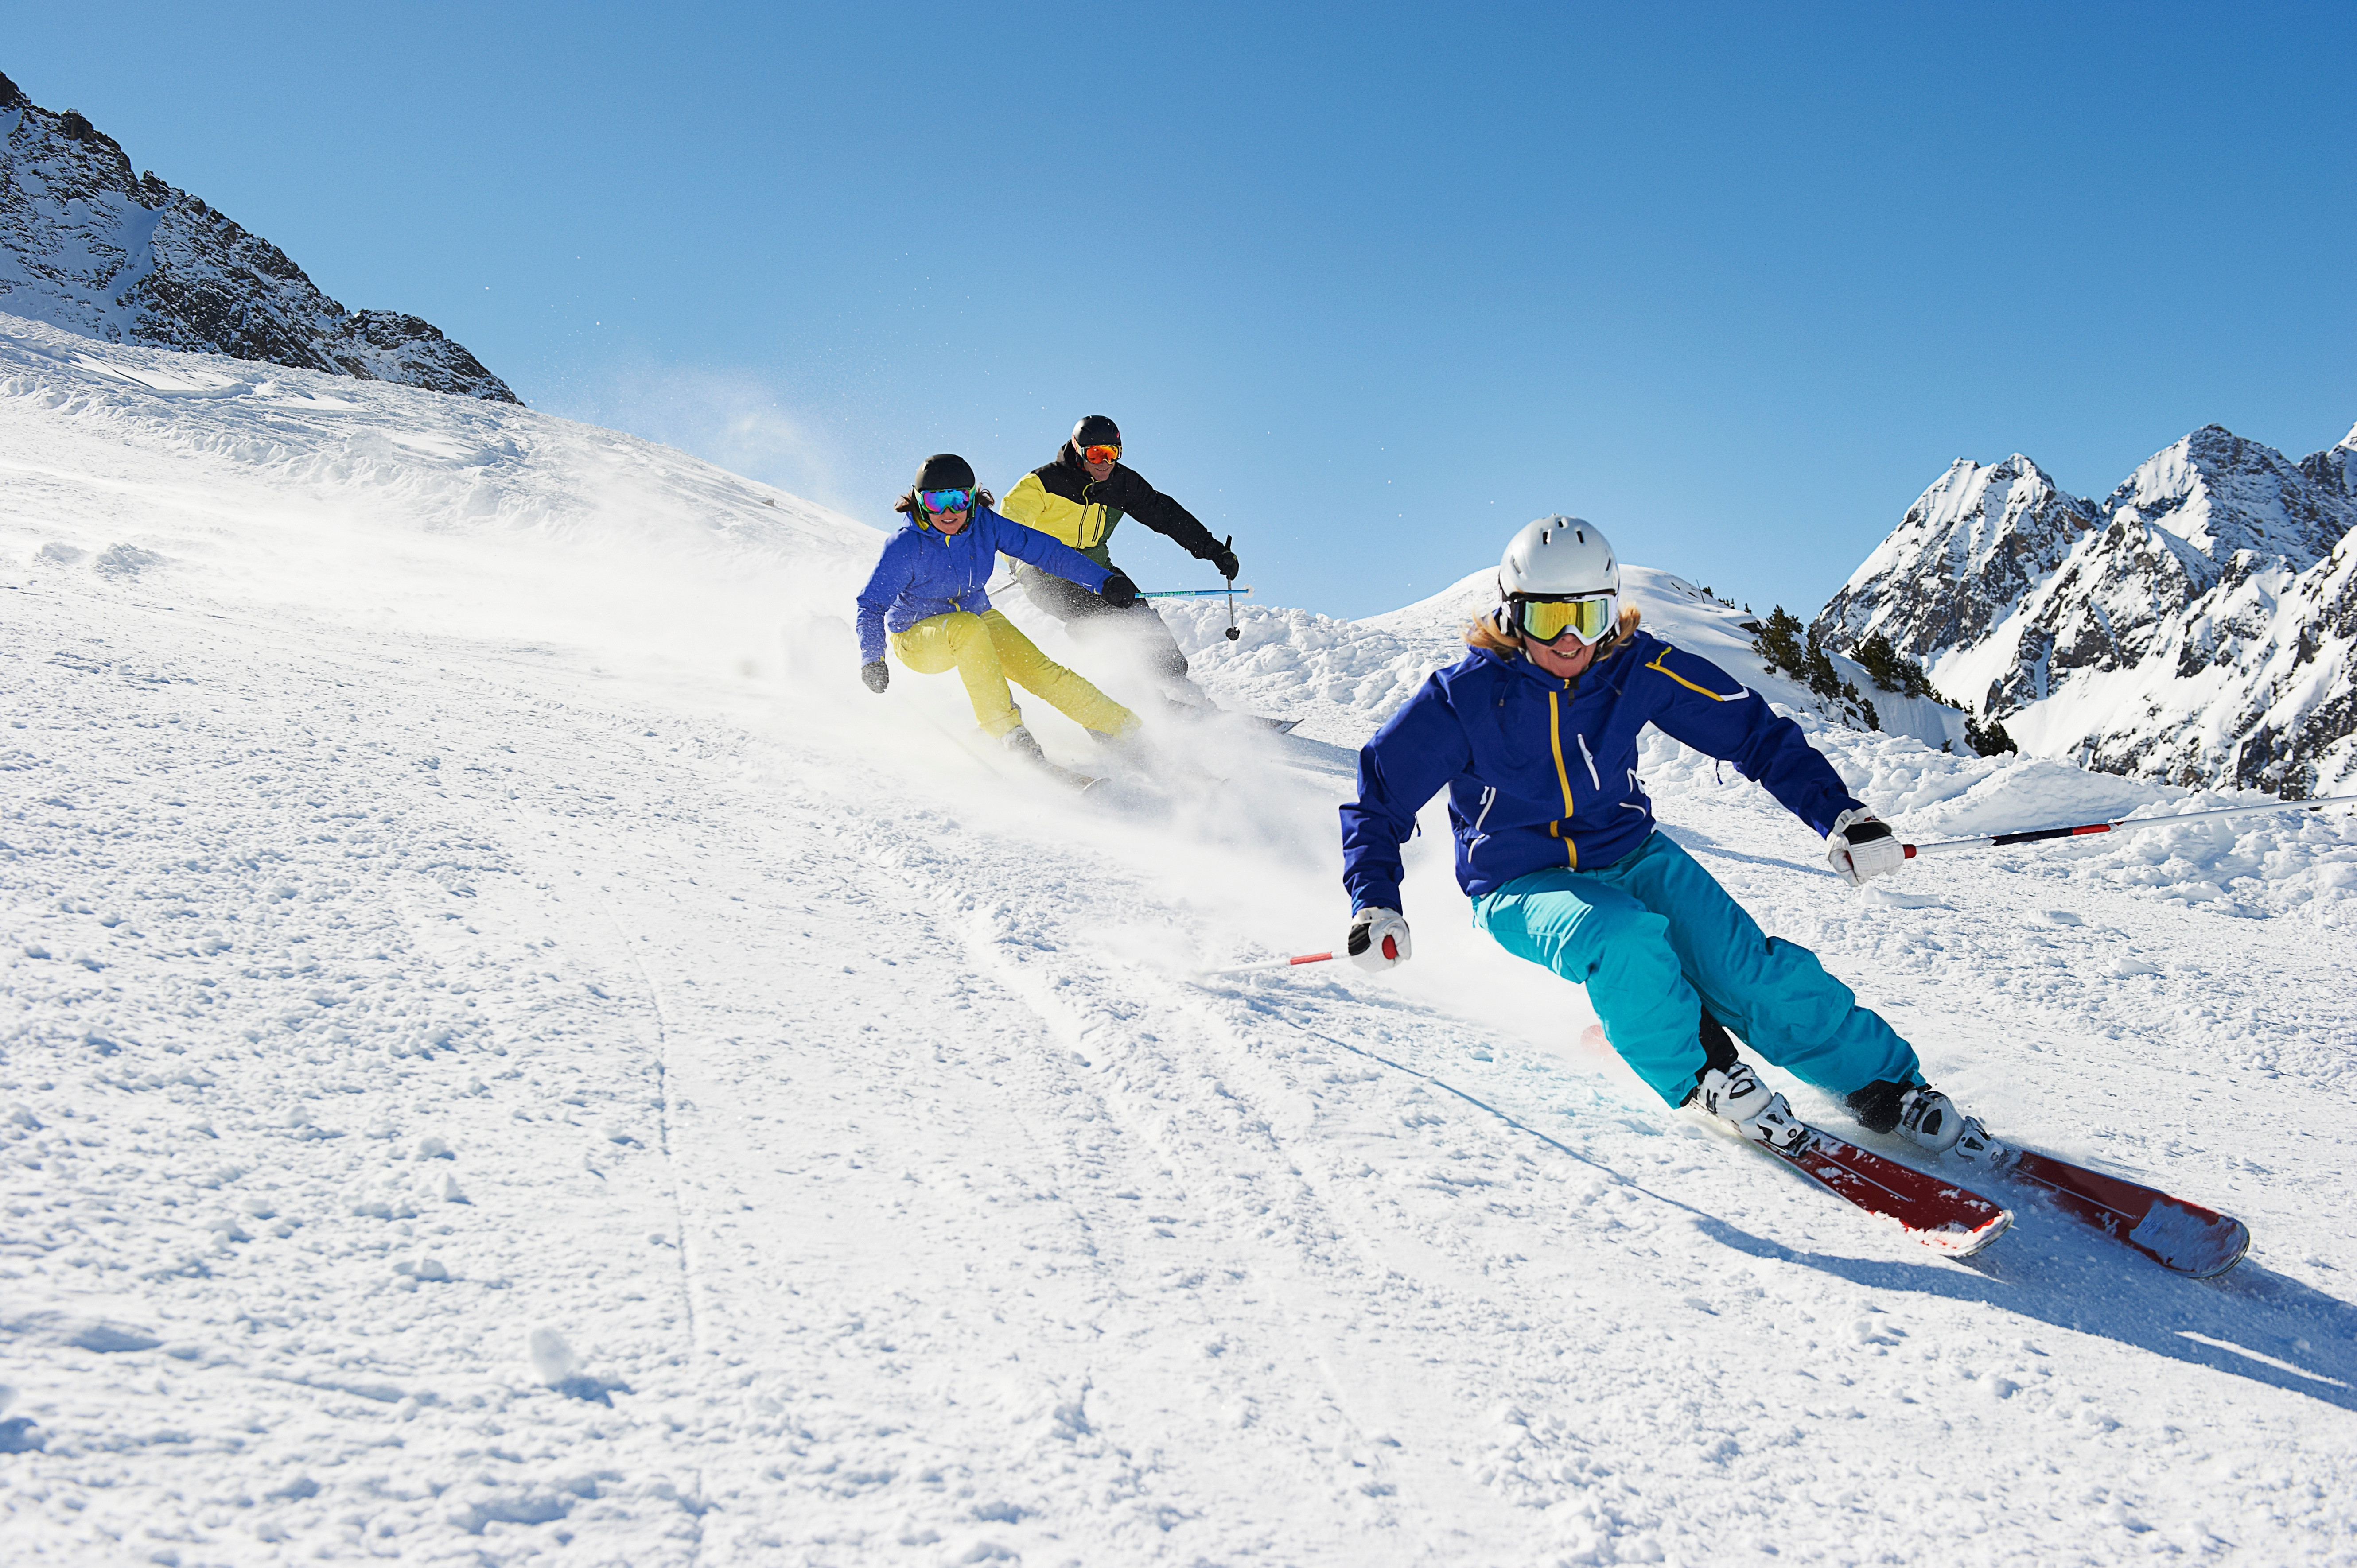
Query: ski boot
[[1736, 1096], [1928, 1119], [1024, 746]]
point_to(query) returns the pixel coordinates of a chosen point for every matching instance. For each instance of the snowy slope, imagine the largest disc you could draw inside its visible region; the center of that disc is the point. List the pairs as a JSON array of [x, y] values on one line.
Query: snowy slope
[[508, 1053], [88, 245], [2200, 623]]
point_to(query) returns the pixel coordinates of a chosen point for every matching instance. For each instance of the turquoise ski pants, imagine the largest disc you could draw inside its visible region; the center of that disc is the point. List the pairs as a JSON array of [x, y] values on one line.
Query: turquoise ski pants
[[1654, 938]]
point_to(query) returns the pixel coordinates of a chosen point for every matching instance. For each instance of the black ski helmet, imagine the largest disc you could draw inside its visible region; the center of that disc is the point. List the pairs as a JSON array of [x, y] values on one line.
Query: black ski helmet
[[1095, 430], [943, 471]]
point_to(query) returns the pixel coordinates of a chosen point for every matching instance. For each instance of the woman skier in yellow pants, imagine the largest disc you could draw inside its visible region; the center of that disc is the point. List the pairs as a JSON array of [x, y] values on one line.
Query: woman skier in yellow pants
[[928, 593]]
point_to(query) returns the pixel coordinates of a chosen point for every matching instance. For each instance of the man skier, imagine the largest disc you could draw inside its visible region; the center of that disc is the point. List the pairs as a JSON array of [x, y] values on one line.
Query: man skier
[[1078, 498], [1534, 735]]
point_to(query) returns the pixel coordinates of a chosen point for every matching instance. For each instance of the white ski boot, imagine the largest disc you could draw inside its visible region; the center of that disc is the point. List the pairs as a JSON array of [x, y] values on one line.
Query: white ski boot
[[1735, 1095], [1931, 1120], [1975, 1144]]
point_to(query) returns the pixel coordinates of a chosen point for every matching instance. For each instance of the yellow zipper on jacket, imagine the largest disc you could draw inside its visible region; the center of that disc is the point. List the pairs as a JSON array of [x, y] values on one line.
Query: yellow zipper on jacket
[[1562, 776]]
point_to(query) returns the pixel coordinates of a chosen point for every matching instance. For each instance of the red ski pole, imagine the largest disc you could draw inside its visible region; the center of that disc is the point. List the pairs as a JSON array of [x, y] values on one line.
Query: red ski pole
[[2117, 825], [1265, 967]]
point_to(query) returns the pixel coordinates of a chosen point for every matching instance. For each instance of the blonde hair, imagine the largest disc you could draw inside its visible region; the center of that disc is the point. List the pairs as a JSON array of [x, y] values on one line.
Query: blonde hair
[[1490, 632]]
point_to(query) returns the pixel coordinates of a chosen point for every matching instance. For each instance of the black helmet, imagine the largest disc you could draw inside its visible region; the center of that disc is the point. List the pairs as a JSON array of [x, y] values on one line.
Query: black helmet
[[943, 471], [1096, 430]]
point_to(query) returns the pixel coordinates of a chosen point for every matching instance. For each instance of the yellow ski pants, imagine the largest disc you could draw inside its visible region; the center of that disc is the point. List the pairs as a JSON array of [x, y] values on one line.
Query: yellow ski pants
[[988, 650]]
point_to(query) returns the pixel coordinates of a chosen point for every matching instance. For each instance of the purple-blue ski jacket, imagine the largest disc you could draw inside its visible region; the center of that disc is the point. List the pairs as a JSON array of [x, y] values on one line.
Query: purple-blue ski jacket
[[924, 572], [1542, 772]]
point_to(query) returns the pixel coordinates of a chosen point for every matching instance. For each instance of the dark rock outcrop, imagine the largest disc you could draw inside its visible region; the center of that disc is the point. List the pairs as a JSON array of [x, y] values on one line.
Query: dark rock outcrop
[[90, 246]]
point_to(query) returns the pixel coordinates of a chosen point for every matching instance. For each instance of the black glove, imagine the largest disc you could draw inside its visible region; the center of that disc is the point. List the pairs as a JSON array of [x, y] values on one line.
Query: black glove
[[875, 674], [1118, 590], [1225, 561]]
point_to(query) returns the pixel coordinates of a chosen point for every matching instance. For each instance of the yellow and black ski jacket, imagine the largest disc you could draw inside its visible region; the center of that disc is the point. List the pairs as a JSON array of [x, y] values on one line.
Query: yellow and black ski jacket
[[1061, 501]]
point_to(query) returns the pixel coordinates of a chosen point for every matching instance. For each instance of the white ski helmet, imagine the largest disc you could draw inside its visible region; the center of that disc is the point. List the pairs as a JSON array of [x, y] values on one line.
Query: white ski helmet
[[1555, 558]]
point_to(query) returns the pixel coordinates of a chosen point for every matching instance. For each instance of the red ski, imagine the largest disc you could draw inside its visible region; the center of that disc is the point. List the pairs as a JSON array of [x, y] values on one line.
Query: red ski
[[1933, 1211], [2175, 1234]]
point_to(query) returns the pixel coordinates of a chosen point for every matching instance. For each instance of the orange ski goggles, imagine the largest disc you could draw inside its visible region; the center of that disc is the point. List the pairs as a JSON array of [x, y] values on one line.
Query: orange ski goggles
[[1101, 454]]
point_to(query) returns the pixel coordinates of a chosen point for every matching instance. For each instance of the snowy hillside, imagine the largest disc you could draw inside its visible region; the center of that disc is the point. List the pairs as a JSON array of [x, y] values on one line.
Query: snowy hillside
[[2199, 625], [88, 245], [1335, 676], [509, 1053]]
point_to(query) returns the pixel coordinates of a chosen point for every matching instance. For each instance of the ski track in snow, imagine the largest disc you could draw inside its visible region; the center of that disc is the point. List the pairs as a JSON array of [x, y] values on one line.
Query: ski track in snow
[[494, 1095]]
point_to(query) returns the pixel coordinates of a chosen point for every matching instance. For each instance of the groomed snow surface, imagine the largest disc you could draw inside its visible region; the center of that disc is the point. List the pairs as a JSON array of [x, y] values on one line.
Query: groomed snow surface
[[509, 1054]]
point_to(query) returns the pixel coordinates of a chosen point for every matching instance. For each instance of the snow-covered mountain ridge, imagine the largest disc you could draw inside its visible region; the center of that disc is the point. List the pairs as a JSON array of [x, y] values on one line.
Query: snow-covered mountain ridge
[[2198, 625], [510, 1055], [90, 246]]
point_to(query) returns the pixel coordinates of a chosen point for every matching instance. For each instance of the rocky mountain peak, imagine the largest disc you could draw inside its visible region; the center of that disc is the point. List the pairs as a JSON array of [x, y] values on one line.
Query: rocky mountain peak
[[2222, 494], [2334, 470], [88, 245], [2198, 625], [2002, 527]]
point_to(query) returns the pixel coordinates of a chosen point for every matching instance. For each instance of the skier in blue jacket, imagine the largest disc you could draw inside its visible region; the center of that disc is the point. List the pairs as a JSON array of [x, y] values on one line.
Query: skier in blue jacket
[[927, 600], [1534, 735]]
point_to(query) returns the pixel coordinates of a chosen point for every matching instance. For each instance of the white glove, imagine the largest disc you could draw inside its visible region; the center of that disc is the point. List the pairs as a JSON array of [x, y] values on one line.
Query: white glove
[[1861, 847], [1378, 939]]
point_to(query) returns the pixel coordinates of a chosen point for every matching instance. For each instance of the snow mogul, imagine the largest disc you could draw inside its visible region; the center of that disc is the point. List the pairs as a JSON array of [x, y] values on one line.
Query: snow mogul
[[1534, 735], [1078, 498], [928, 590]]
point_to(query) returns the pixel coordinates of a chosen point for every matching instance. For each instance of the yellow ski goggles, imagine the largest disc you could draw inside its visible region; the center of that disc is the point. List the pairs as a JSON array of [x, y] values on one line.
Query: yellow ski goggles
[[1586, 618]]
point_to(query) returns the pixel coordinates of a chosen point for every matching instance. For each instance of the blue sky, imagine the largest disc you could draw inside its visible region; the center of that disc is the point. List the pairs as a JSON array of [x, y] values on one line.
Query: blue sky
[[1365, 286]]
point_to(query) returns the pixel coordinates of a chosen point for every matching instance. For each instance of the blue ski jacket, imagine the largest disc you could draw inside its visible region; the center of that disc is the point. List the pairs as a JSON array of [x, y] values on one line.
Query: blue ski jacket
[[924, 572], [1542, 772]]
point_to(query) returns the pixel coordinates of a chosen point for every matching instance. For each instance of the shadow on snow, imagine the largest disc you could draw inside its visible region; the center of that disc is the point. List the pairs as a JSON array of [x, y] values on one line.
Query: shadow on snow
[[2253, 1323]]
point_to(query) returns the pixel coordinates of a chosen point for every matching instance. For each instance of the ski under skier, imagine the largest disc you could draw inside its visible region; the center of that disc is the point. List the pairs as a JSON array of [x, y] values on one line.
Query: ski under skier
[[927, 592], [1534, 735], [1080, 499]]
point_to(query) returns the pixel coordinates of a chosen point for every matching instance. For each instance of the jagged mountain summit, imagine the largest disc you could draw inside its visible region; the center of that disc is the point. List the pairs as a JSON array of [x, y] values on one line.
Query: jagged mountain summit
[[2200, 623], [90, 246]]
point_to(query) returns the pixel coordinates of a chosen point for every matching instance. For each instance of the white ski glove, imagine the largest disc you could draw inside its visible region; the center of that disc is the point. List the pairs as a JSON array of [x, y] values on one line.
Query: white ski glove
[[1378, 939], [1859, 847]]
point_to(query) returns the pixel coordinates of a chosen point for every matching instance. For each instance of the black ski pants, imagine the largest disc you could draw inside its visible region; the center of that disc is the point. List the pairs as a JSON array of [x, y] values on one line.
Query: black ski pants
[[1091, 620]]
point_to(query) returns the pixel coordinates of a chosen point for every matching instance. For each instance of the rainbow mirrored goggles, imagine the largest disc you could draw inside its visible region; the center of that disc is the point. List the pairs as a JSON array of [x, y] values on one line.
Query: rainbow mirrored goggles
[[1587, 617], [938, 501], [1102, 452]]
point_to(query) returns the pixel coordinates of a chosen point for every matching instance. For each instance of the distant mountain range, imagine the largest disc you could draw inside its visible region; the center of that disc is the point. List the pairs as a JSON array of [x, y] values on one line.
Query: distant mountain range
[[88, 245], [2198, 625]]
